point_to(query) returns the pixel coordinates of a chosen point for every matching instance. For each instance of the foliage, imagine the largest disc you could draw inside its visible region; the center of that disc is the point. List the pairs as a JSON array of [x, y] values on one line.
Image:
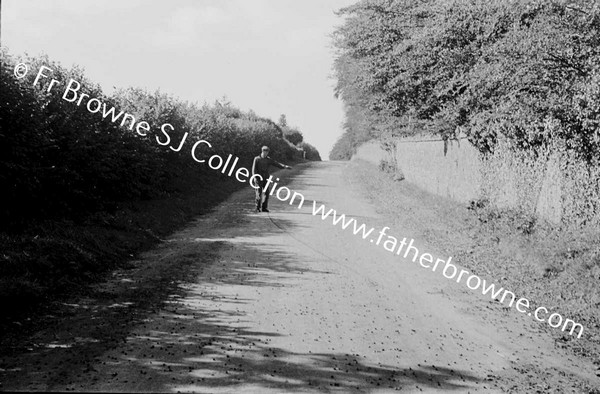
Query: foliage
[[344, 147], [486, 68], [312, 153], [282, 122], [293, 135], [58, 160], [83, 194]]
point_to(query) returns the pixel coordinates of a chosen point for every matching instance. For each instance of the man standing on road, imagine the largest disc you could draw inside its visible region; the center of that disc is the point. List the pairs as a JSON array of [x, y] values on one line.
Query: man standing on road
[[260, 166]]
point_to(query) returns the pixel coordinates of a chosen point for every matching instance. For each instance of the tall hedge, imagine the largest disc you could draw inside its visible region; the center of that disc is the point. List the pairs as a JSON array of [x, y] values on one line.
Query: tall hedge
[[58, 160], [485, 68]]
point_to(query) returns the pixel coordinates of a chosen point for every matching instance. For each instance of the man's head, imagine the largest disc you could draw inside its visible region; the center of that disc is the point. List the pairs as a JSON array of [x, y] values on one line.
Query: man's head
[[264, 151]]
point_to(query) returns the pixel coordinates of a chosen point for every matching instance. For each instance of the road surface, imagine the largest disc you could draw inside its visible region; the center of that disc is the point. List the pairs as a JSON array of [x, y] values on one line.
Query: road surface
[[286, 302]]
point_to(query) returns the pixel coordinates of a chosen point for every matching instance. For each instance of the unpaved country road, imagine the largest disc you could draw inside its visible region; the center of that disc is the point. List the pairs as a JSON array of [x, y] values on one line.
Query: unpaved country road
[[290, 303]]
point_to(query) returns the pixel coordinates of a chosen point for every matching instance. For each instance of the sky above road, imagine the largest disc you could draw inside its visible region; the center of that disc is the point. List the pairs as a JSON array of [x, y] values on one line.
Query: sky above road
[[274, 56]]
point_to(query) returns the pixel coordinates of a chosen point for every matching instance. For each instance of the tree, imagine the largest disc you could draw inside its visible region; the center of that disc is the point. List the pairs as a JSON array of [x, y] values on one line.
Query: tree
[[486, 68], [282, 121], [293, 135]]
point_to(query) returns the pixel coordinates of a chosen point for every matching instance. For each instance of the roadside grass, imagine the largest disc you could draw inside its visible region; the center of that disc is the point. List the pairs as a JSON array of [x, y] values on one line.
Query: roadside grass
[[552, 267]]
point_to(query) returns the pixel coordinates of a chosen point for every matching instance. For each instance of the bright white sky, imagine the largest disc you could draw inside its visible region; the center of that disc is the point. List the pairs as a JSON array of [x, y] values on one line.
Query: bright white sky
[[272, 56]]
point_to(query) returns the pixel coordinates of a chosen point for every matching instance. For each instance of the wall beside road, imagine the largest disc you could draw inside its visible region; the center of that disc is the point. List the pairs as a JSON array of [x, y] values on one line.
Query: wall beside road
[[456, 170]]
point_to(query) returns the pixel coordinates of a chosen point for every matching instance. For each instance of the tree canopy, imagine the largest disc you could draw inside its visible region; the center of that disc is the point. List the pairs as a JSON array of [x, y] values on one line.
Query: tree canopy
[[527, 70]]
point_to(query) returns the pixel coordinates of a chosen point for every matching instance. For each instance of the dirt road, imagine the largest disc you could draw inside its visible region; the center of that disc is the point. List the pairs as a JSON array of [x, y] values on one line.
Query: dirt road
[[285, 302]]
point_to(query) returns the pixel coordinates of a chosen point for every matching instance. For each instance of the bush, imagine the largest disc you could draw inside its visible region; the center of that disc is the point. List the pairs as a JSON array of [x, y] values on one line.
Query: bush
[[311, 153], [344, 148], [293, 135], [488, 69], [81, 193], [387, 166], [60, 160]]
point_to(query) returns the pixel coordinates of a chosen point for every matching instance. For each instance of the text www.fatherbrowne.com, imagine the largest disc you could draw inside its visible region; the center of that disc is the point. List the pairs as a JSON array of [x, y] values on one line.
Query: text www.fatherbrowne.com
[[449, 270]]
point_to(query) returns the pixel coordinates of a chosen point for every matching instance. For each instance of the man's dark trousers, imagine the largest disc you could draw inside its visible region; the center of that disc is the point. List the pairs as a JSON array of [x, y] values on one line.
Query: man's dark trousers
[[262, 195]]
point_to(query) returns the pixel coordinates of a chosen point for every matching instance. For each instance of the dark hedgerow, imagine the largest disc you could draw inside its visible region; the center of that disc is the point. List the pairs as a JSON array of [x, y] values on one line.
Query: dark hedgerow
[[82, 193]]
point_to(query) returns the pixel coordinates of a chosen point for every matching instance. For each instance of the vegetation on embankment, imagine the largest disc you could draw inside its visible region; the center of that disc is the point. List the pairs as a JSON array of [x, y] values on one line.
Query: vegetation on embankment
[[83, 194], [527, 71]]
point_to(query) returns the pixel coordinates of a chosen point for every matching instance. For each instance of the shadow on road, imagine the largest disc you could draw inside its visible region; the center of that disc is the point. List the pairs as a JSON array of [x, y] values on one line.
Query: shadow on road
[[201, 341], [221, 357]]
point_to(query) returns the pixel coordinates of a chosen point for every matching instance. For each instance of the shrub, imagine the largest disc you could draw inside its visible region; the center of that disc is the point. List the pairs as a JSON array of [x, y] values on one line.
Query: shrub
[[293, 135], [58, 160], [343, 149], [82, 194], [311, 153]]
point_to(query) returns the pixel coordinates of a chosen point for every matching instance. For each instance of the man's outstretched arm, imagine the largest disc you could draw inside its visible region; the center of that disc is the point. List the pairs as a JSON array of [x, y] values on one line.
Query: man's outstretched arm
[[278, 164]]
